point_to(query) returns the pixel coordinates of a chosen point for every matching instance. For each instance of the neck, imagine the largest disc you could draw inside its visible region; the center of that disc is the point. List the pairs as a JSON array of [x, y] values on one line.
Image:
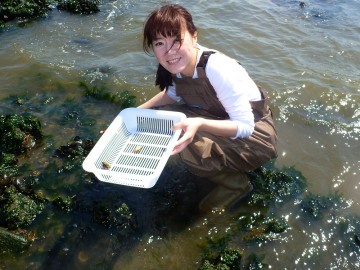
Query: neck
[[193, 65]]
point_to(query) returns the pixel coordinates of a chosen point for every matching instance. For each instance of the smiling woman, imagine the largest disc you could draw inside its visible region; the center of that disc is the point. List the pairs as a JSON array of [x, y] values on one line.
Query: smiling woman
[[229, 130]]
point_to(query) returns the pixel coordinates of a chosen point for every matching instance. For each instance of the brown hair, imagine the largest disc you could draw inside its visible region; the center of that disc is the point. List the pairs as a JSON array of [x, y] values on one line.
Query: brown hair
[[168, 21]]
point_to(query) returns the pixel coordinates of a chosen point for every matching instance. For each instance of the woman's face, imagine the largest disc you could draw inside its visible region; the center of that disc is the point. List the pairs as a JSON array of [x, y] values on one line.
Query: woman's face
[[176, 55]]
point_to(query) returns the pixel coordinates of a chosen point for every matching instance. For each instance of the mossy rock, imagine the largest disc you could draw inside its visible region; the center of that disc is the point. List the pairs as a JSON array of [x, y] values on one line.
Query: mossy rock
[[12, 243], [23, 9], [79, 7], [18, 134], [18, 210], [8, 168]]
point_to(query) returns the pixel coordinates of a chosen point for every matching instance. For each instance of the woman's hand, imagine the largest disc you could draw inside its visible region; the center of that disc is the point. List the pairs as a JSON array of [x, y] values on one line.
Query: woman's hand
[[189, 127]]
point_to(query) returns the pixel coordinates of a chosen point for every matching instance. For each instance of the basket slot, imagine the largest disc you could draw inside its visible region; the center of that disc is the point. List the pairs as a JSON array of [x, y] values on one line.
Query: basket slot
[[137, 161], [132, 171], [124, 181], [148, 138], [147, 150], [114, 146], [154, 125]]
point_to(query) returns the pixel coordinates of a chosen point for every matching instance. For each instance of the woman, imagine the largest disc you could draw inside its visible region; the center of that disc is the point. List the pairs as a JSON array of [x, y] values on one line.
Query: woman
[[229, 128]]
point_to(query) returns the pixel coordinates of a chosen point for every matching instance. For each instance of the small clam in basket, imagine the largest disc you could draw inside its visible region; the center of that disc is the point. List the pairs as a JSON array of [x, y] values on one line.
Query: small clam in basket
[[135, 148]]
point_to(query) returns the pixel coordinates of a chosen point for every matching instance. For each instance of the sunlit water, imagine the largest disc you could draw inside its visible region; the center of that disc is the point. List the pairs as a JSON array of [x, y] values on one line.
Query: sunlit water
[[307, 59]]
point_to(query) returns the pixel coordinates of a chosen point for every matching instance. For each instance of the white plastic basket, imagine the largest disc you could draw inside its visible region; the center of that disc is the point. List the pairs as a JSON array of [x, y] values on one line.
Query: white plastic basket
[[134, 149]]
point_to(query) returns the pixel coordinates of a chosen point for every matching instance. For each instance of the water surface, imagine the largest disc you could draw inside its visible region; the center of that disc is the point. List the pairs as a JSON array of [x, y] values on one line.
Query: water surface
[[307, 59]]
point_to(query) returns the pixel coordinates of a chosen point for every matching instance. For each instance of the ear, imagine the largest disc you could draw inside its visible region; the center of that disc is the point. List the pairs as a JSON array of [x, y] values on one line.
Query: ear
[[195, 38]]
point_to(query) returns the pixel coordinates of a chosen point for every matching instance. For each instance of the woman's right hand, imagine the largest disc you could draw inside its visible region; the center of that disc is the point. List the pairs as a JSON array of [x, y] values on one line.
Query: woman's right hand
[[189, 127]]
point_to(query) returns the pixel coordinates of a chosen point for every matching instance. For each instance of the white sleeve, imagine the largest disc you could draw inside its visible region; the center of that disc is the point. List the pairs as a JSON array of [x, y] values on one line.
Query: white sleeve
[[171, 92], [234, 89]]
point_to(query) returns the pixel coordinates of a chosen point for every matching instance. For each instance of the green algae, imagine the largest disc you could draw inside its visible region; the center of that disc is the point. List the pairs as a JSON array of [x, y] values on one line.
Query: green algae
[[65, 203], [19, 133], [8, 170], [13, 243], [97, 210], [316, 206], [18, 210], [232, 259], [24, 11], [125, 99], [85, 7], [275, 185], [259, 227], [228, 259], [74, 153]]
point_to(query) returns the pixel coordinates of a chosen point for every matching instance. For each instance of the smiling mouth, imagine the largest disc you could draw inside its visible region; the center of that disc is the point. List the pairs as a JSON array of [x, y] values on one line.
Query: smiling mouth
[[173, 61]]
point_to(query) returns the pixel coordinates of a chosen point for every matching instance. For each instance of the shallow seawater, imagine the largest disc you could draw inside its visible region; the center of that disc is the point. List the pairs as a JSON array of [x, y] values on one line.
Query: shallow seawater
[[305, 57]]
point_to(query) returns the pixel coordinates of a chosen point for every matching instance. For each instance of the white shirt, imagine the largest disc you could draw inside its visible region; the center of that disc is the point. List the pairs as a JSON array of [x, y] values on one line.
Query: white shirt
[[234, 89]]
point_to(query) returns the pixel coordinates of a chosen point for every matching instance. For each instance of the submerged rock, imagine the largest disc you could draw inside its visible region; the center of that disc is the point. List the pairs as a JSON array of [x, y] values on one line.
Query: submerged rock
[[19, 133], [18, 210], [13, 243], [8, 170], [125, 99]]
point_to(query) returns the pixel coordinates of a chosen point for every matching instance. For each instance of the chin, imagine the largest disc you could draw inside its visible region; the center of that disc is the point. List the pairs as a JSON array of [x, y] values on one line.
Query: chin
[[175, 70]]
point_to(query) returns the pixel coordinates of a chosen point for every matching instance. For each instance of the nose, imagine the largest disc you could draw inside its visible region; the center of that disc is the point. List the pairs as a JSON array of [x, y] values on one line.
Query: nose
[[171, 48]]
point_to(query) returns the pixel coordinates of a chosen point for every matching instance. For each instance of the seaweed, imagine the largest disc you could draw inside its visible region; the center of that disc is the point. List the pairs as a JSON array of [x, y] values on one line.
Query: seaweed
[[18, 133], [8, 169], [74, 152], [23, 9], [274, 185], [316, 205], [125, 99], [13, 242], [226, 259], [85, 7], [259, 227], [27, 10], [18, 210]]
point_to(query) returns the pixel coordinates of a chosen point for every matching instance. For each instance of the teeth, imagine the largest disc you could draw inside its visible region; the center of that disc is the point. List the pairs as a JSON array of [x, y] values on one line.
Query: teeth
[[173, 61]]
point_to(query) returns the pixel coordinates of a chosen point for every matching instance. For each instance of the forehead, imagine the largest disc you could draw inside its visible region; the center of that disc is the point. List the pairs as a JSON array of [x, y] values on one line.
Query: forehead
[[173, 28], [162, 36]]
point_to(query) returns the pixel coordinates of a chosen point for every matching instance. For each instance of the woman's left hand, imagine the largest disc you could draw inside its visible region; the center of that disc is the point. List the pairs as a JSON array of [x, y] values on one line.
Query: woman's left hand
[[189, 127]]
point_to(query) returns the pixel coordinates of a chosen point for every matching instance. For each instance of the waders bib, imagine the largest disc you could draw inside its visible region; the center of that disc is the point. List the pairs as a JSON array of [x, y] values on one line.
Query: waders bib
[[208, 154]]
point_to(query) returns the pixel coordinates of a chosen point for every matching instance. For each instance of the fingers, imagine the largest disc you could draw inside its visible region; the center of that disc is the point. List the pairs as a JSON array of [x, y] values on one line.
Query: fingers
[[178, 126], [182, 143]]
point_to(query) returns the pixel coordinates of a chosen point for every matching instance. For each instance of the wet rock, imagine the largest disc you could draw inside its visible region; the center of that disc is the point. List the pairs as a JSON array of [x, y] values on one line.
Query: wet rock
[[257, 227], [226, 259], [125, 99], [19, 134], [357, 240], [64, 203], [18, 210], [77, 147], [316, 205], [8, 170], [274, 185], [81, 41], [23, 9], [79, 6], [13, 243]]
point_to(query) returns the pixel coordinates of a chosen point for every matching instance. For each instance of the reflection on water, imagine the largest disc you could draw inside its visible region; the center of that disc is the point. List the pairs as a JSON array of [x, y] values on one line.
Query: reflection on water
[[306, 57]]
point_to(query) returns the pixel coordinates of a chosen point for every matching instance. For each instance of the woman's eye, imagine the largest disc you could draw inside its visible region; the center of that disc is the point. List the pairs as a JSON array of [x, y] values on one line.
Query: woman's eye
[[158, 43]]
